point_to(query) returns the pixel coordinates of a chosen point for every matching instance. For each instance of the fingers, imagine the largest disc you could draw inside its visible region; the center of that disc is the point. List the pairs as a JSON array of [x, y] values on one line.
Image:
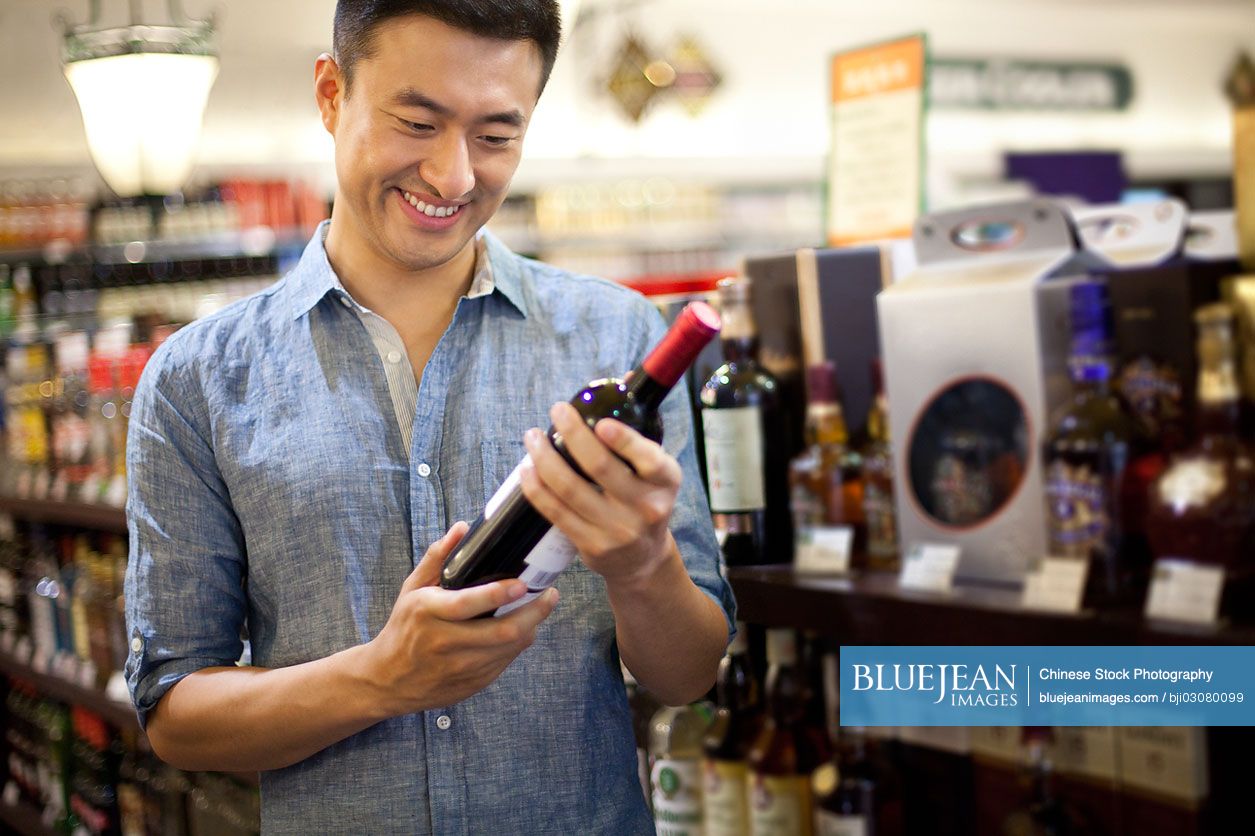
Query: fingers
[[574, 511], [601, 465], [427, 572], [559, 477], [650, 461], [465, 604]]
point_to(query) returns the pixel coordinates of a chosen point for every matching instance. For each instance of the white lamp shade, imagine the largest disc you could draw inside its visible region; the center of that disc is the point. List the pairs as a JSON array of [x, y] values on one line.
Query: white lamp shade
[[142, 113]]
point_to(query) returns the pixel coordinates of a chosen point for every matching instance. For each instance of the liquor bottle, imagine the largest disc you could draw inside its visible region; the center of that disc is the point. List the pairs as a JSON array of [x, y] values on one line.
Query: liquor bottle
[[1042, 812], [743, 432], [511, 539], [825, 481], [727, 742], [643, 706], [1151, 388], [675, 756], [782, 759], [879, 510], [1092, 491], [845, 789], [1202, 508]]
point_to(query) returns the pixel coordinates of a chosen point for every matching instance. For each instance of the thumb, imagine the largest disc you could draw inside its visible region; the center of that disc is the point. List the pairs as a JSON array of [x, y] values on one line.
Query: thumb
[[427, 572]]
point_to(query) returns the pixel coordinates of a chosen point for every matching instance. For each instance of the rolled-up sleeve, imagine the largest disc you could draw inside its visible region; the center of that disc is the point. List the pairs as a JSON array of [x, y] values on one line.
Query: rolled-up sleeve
[[185, 603], [691, 522]]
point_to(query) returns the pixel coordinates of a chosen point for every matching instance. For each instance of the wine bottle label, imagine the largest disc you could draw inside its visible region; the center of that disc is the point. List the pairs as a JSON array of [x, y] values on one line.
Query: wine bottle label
[[734, 458], [725, 797], [677, 797], [545, 563], [780, 805], [835, 824], [1076, 503]]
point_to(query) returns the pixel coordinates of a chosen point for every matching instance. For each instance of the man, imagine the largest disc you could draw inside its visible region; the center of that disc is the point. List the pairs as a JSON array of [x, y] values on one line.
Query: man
[[298, 459]]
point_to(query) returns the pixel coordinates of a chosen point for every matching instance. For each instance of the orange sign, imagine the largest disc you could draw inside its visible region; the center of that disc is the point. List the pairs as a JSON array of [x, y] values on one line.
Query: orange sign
[[898, 65], [876, 162]]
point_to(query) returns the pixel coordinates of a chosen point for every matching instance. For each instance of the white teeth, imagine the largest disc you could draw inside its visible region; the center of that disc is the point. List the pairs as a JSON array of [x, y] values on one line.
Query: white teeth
[[429, 210]]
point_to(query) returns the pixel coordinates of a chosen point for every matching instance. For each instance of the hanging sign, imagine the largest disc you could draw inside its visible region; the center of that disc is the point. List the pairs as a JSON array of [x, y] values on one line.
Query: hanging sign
[[876, 161]]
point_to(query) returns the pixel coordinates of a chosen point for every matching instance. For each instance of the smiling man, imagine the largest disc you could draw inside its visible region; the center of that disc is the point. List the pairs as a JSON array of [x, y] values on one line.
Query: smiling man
[[299, 463]]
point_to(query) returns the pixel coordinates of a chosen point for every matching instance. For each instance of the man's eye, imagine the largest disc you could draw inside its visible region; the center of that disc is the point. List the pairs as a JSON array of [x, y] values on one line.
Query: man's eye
[[497, 140], [417, 127]]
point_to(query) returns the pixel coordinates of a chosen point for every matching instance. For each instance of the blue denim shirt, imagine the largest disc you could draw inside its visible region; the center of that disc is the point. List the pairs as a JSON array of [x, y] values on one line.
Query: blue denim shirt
[[269, 484]]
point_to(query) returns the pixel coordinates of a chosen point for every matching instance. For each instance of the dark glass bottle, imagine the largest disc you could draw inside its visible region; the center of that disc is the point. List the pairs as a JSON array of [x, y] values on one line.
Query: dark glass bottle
[[845, 789], [511, 539], [1092, 490], [879, 510], [727, 742], [1202, 508], [825, 481], [1042, 811], [782, 759], [743, 430]]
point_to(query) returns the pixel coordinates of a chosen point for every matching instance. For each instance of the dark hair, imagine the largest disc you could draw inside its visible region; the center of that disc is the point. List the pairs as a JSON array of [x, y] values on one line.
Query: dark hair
[[511, 20]]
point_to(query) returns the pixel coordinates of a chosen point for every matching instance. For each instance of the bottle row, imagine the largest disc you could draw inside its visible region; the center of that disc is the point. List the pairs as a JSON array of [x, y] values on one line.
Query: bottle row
[[68, 215], [768, 758], [85, 777], [1132, 467], [61, 606], [67, 391]]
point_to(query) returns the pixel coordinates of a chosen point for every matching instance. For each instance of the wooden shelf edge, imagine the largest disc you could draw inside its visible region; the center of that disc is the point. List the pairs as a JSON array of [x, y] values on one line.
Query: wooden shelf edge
[[869, 609], [119, 714], [99, 517]]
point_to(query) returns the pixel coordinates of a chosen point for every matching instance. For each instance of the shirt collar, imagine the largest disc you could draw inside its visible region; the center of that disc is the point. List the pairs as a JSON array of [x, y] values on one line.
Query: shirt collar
[[496, 269]]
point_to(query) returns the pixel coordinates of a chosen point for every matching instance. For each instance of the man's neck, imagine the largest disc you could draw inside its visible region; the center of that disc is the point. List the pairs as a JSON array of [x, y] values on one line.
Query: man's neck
[[389, 289]]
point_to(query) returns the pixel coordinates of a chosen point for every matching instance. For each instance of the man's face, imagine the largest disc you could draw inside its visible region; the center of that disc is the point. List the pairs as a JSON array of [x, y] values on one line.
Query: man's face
[[428, 137]]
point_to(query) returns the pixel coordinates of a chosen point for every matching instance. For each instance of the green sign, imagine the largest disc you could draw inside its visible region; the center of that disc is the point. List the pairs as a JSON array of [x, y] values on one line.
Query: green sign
[[1008, 84]]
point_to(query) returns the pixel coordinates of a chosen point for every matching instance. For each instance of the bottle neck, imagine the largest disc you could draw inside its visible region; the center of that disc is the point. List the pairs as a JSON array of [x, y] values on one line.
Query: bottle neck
[[825, 424], [878, 419], [646, 390], [1219, 398], [739, 336], [1091, 372]]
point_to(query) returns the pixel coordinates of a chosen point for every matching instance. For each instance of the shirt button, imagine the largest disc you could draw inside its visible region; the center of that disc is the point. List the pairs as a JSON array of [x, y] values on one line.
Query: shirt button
[[137, 644], [443, 722], [424, 470]]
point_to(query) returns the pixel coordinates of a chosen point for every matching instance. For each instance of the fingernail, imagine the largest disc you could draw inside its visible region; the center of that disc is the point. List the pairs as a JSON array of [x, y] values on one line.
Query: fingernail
[[517, 590], [556, 412], [553, 596], [608, 429], [532, 437]]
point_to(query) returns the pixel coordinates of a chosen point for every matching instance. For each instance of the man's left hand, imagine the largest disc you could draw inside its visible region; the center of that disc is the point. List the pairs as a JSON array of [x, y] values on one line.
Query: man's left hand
[[621, 530]]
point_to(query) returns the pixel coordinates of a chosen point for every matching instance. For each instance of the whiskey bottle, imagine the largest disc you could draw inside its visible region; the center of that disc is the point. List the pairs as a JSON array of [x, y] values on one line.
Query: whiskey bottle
[[1202, 508], [1090, 487], [825, 481], [879, 510]]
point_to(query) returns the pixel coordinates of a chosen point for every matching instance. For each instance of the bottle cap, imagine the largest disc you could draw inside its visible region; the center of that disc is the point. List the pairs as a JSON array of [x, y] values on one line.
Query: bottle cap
[[821, 382], [696, 325]]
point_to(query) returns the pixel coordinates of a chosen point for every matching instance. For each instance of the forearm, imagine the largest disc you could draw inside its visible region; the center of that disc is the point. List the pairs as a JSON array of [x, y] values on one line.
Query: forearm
[[671, 635], [251, 719]]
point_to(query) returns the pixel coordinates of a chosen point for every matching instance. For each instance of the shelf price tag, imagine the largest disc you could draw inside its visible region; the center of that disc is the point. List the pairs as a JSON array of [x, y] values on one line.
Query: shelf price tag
[[930, 567], [1181, 590], [1057, 585], [823, 549]]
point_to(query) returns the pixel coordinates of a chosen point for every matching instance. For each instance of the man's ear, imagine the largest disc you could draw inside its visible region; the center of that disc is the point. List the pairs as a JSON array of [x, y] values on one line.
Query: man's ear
[[328, 91]]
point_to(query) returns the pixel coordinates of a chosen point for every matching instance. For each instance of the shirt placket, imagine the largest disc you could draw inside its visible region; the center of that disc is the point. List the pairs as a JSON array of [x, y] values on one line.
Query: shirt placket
[[446, 779]]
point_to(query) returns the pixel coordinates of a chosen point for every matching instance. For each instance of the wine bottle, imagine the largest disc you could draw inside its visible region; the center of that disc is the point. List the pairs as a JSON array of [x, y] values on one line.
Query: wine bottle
[[511, 539]]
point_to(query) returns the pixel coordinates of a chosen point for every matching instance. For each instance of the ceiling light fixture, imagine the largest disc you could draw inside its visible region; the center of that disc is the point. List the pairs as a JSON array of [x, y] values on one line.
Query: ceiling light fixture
[[142, 90]]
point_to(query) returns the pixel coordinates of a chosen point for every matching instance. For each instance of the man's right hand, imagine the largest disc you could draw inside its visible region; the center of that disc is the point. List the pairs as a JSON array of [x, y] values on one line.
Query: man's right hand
[[433, 651]]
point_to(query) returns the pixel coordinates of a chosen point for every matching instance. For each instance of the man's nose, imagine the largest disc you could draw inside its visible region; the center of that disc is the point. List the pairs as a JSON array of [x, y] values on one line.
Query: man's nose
[[448, 168]]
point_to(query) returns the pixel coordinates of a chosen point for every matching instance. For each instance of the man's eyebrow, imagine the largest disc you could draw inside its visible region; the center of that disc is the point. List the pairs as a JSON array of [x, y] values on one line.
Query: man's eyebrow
[[412, 98]]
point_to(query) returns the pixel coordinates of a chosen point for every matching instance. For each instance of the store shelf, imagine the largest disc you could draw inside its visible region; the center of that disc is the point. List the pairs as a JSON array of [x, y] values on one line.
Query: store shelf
[[98, 517], [119, 714], [24, 819], [869, 608]]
